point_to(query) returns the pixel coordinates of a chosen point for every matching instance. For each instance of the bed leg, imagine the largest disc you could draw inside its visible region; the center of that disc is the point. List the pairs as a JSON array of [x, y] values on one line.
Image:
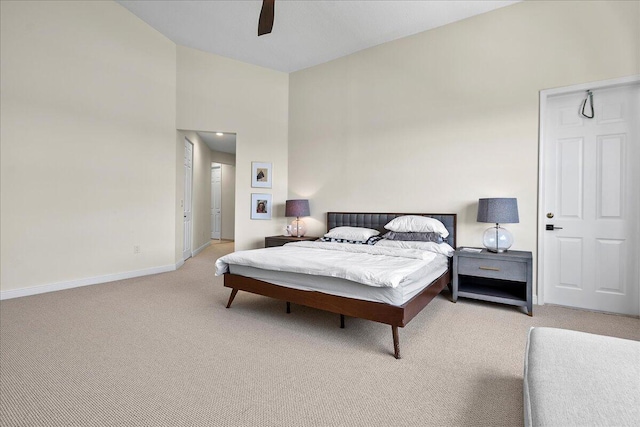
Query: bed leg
[[232, 296], [342, 321], [396, 342], [288, 307]]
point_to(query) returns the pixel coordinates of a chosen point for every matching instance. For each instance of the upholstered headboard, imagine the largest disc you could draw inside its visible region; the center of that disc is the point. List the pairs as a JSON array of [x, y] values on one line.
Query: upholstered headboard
[[377, 221]]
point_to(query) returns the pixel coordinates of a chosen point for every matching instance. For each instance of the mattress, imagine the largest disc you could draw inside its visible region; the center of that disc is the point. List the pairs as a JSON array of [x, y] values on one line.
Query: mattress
[[370, 265], [407, 289], [391, 275]]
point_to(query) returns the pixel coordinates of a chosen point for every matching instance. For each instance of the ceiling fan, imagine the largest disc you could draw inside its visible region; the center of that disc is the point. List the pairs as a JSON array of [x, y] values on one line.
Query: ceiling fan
[[265, 23]]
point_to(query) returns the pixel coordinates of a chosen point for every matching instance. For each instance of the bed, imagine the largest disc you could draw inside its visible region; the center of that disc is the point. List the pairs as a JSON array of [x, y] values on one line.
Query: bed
[[329, 293]]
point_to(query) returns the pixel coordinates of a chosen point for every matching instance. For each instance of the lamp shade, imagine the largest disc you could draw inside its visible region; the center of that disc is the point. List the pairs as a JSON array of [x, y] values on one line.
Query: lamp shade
[[498, 210], [297, 208]]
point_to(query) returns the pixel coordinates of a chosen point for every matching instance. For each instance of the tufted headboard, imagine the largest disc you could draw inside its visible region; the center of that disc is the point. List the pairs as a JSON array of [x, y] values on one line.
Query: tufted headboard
[[377, 221]]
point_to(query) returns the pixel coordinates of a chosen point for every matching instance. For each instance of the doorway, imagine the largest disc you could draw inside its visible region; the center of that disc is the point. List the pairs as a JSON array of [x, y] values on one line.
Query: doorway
[[216, 200], [188, 197], [588, 239]]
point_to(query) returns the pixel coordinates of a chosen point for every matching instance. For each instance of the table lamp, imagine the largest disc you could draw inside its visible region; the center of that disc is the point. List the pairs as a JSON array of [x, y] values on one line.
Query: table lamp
[[498, 210], [297, 208]]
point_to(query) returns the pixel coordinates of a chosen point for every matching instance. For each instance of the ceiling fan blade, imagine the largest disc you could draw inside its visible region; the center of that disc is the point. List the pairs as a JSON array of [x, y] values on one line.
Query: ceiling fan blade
[[265, 23]]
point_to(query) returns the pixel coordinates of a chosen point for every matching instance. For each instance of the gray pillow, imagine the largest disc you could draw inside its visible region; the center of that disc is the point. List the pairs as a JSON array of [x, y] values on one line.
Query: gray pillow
[[428, 236]]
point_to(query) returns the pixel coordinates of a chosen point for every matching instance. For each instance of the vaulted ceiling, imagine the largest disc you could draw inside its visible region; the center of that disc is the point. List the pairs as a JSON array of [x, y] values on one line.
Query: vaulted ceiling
[[305, 32]]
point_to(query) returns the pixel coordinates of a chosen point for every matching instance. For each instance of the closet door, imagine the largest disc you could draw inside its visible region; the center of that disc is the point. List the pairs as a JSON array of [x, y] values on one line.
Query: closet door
[[591, 193]]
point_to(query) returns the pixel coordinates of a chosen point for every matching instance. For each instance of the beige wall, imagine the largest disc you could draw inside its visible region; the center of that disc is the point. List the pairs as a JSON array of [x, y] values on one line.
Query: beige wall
[[220, 94], [224, 158], [91, 98], [433, 122], [91, 159], [88, 98]]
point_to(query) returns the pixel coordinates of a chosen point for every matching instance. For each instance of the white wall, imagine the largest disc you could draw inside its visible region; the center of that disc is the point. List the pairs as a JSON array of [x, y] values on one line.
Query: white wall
[[220, 94], [432, 122], [88, 107]]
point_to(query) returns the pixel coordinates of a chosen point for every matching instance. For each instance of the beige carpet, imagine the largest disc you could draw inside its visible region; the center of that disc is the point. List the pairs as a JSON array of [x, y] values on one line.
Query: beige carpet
[[163, 350]]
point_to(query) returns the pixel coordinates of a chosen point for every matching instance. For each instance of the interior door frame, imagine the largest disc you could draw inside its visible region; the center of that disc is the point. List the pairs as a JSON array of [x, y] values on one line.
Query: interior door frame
[[544, 97], [191, 204], [219, 166]]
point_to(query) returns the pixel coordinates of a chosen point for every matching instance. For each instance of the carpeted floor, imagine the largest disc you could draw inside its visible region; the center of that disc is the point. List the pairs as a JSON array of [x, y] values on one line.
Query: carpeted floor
[[163, 351]]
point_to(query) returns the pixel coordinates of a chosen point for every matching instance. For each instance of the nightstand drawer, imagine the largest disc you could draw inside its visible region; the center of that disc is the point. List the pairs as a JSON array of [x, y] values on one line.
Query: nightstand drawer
[[493, 269], [272, 241]]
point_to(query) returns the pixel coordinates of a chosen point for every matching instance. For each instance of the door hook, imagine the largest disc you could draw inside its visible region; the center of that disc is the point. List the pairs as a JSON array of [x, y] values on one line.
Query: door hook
[[589, 98]]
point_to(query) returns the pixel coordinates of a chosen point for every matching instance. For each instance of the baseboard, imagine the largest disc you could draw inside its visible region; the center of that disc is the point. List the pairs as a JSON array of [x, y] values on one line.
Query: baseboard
[[41, 289], [201, 248]]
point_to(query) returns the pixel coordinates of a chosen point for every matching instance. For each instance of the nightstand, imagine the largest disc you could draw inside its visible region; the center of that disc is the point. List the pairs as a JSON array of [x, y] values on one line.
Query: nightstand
[[497, 277], [272, 241]]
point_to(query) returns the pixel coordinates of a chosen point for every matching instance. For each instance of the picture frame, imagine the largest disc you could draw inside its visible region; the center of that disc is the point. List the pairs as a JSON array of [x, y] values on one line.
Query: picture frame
[[261, 175], [261, 206]]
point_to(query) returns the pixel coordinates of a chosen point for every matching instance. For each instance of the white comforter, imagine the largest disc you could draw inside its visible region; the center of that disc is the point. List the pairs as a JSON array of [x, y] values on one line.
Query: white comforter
[[370, 265]]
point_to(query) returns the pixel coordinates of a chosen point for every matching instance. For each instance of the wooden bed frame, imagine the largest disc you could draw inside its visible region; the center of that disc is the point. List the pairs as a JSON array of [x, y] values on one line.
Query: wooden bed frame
[[396, 316]]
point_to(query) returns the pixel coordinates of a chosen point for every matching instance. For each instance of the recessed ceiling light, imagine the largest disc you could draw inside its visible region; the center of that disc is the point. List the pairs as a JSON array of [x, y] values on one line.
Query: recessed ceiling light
[[219, 133]]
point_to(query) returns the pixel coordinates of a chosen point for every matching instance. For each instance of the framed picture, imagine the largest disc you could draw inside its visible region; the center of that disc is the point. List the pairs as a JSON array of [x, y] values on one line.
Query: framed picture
[[260, 175], [261, 206]]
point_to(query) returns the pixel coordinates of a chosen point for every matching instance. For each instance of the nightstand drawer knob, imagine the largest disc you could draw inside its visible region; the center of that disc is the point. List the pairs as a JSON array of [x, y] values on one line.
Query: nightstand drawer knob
[[489, 268]]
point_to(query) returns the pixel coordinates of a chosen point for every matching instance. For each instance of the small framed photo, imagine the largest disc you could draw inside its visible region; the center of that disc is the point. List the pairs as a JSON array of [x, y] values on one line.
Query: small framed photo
[[261, 206], [261, 175]]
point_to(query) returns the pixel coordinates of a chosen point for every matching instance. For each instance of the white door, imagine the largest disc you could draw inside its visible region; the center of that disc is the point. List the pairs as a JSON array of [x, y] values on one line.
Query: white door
[[188, 185], [216, 201], [591, 191]]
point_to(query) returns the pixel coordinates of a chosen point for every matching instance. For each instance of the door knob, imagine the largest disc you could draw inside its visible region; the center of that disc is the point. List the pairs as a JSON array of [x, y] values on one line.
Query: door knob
[[551, 227]]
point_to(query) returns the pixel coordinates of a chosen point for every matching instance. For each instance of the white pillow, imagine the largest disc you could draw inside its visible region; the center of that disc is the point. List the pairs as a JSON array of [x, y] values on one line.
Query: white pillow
[[439, 248], [351, 233], [417, 224]]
